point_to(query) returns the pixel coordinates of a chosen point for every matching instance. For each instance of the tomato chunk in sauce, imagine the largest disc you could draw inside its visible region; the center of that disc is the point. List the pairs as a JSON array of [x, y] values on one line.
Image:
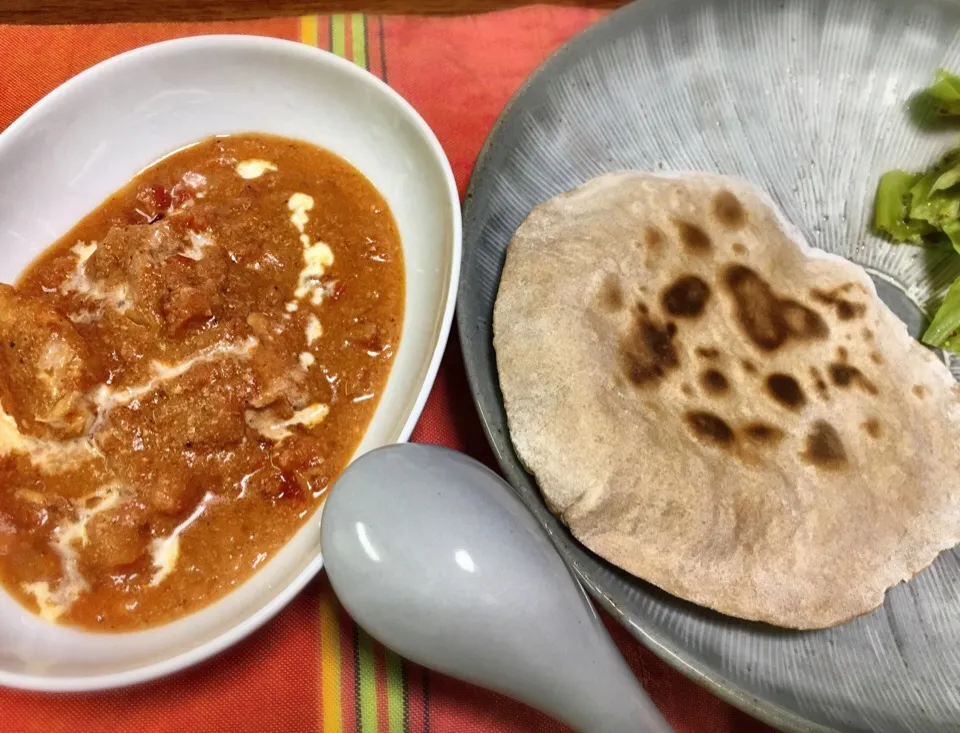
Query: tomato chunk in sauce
[[184, 374]]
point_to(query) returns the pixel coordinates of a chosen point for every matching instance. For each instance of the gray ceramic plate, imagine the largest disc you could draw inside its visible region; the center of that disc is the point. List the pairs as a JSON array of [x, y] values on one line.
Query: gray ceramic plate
[[808, 99]]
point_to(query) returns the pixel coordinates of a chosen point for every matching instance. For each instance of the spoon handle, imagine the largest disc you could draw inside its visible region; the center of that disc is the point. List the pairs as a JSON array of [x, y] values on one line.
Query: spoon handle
[[583, 681], [618, 709], [601, 694]]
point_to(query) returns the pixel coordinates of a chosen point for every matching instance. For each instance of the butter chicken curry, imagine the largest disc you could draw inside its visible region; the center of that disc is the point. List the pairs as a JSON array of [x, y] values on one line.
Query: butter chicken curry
[[184, 374]]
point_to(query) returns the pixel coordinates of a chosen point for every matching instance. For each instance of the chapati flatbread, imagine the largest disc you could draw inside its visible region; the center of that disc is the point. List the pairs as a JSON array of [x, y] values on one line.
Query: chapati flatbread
[[717, 408]]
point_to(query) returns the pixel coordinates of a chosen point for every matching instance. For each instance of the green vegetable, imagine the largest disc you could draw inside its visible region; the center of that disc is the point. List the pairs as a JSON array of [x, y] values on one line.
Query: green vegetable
[[936, 207], [924, 209], [946, 92], [943, 332], [949, 178], [952, 230], [893, 206], [914, 207]]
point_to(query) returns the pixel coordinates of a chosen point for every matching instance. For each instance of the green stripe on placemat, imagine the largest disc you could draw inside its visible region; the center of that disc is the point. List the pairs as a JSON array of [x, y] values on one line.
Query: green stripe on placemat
[[358, 33], [338, 34], [396, 701]]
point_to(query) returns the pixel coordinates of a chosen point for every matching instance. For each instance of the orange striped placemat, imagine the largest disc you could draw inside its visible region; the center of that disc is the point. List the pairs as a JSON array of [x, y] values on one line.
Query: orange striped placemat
[[312, 669]]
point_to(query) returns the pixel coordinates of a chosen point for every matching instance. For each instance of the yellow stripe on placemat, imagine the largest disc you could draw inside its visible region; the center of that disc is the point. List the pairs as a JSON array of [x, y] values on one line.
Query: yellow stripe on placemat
[[357, 52], [330, 709], [308, 29]]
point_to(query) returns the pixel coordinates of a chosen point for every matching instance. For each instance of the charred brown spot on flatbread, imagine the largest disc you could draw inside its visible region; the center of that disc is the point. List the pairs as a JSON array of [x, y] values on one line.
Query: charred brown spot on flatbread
[[693, 237], [611, 294], [920, 391], [872, 427], [711, 428], [824, 448], [786, 390], [729, 211], [748, 366], [766, 319], [687, 297], [763, 433], [708, 352], [844, 375], [803, 323], [653, 238], [846, 309], [739, 249], [648, 352], [714, 382], [653, 241], [819, 383]]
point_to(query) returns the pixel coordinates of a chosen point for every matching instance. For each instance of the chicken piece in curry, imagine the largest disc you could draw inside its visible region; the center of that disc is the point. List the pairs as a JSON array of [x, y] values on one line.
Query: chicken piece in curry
[[184, 374]]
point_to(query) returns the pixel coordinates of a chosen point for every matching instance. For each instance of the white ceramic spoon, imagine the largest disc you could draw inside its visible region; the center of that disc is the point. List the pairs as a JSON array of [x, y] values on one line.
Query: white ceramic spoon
[[436, 557]]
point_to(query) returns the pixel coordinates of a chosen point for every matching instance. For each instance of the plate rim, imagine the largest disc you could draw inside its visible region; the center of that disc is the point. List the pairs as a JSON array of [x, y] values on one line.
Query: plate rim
[[731, 693]]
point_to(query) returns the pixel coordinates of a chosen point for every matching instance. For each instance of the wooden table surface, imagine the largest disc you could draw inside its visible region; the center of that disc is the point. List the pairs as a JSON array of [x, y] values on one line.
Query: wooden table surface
[[99, 11]]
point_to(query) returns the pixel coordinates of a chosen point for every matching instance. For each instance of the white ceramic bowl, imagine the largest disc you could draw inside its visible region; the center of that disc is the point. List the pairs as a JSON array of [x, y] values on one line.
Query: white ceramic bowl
[[92, 135]]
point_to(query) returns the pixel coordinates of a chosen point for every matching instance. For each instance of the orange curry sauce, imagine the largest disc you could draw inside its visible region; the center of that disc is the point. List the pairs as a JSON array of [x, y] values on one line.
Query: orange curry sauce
[[184, 374]]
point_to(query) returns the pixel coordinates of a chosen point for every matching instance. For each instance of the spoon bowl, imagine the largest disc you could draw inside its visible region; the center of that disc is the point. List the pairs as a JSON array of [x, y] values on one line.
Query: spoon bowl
[[435, 556]]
